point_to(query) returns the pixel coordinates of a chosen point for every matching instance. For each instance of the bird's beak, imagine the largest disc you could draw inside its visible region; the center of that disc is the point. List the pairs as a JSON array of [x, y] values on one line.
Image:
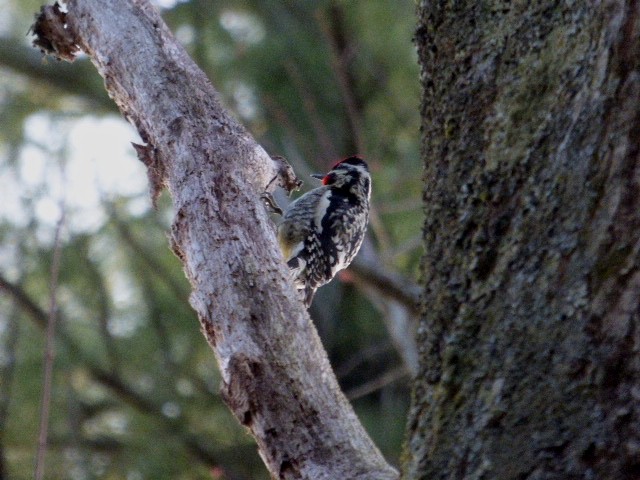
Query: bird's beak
[[319, 176]]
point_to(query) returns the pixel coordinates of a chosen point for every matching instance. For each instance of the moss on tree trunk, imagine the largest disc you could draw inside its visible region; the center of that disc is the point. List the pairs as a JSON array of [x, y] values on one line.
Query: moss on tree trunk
[[531, 134]]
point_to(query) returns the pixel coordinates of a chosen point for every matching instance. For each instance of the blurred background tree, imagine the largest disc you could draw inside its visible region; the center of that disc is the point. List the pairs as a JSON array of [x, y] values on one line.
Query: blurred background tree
[[135, 392]]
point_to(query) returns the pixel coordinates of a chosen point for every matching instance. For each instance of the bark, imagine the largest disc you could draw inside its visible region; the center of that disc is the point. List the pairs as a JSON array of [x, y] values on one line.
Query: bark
[[529, 333], [276, 376]]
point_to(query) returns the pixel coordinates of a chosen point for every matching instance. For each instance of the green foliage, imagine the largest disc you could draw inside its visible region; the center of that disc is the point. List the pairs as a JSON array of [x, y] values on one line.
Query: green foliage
[[136, 386]]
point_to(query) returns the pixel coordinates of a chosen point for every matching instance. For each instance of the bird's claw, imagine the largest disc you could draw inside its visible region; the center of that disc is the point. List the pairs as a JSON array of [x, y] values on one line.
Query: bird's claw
[[271, 203]]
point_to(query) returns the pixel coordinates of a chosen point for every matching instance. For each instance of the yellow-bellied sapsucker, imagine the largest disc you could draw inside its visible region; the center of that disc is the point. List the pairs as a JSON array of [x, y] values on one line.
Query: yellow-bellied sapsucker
[[321, 232]]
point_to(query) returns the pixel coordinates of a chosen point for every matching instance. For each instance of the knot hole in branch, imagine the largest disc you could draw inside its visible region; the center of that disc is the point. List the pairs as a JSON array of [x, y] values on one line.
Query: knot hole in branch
[[53, 34], [285, 176]]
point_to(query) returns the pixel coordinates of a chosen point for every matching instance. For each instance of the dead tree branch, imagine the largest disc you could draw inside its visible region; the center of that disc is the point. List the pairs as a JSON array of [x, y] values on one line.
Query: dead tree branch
[[49, 353], [276, 376]]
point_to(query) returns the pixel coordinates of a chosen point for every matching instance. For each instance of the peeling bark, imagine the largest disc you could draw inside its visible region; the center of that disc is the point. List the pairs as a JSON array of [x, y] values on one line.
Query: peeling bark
[[276, 376], [530, 366]]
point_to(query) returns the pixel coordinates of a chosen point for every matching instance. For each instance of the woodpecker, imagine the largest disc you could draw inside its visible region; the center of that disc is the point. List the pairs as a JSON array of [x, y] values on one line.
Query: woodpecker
[[321, 232]]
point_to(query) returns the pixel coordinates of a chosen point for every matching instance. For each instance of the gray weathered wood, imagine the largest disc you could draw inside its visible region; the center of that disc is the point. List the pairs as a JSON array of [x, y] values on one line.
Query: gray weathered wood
[[276, 376]]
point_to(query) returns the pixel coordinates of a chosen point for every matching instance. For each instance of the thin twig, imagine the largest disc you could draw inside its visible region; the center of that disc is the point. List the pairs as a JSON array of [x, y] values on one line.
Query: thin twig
[[309, 104], [387, 283], [49, 350], [192, 442], [362, 356], [378, 383], [331, 25]]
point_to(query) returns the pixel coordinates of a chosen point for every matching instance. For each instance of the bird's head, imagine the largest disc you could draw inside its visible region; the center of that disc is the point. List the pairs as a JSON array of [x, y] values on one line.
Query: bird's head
[[347, 173]]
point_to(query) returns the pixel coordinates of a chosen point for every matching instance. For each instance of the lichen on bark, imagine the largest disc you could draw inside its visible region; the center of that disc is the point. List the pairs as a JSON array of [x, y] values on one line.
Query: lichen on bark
[[531, 182]]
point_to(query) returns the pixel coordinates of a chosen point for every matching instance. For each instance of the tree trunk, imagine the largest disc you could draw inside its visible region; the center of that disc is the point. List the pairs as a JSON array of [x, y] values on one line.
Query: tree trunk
[[529, 336], [276, 376]]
